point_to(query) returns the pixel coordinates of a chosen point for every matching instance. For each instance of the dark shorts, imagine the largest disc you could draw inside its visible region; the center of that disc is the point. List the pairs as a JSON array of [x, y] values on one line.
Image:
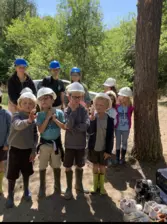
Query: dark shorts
[[74, 155], [97, 157], [18, 161], [3, 154]]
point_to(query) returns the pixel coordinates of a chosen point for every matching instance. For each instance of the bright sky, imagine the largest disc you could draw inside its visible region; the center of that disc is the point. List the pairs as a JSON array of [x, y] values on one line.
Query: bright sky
[[113, 10]]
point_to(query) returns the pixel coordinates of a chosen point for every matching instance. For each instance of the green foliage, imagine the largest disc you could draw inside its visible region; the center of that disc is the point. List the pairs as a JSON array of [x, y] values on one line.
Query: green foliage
[[76, 36], [81, 34]]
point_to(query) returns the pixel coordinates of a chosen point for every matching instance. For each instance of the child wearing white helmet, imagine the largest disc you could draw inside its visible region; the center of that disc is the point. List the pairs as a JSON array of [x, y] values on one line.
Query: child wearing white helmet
[[76, 76], [124, 110], [23, 139], [5, 122], [77, 122], [26, 90], [101, 140], [110, 84], [49, 121], [112, 112]]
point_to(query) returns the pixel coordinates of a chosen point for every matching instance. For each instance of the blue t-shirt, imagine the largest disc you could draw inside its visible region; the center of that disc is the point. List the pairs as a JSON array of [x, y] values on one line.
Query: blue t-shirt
[[52, 131], [123, 124]]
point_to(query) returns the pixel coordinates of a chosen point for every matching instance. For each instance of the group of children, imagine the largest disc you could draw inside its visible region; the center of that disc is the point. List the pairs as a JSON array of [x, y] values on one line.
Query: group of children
[[111, 112]]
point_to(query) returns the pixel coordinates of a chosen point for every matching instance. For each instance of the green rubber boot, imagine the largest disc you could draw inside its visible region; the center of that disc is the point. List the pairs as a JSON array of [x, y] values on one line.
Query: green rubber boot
[[95, 183], [102, 189]]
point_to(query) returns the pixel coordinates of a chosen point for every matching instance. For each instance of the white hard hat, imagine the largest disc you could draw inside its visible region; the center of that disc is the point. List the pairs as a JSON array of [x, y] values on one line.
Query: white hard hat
[[26, 90], [110, 82], [111, 93], [27, 95], [0, 93], [105, 96], [125, 91], [46, 91], [75, 87]]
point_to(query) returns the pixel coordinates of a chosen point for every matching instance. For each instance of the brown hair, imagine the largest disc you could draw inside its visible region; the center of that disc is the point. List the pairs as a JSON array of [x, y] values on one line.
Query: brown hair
[[113, 88]]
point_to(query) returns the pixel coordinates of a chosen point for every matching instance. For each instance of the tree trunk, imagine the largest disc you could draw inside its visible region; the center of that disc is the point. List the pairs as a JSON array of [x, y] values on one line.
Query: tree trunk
[[147, 141]]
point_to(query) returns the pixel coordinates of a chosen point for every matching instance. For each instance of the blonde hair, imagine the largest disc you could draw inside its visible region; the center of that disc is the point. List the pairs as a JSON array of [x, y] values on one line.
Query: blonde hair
[[107, 102], [128, 101], [27, 95]]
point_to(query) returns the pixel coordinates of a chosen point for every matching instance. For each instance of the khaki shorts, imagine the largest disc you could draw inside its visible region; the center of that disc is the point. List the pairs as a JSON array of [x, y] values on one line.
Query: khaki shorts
[[47, 155]]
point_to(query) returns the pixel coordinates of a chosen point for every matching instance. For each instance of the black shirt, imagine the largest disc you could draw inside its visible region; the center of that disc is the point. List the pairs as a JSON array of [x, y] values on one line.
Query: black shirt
[[15, 87], [57, 86]]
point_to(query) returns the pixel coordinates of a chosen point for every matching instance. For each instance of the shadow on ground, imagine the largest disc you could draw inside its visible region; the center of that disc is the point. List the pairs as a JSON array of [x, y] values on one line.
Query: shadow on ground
[[164, 103], [149, 169], [120, 175], [54, 208]]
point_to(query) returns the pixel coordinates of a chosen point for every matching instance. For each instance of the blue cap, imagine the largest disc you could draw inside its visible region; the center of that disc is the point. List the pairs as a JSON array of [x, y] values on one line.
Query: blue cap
[[75, 70], [20, 62], [54, 64]]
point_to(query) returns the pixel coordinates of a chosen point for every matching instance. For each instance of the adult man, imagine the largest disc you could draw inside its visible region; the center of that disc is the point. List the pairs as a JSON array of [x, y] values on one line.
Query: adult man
[[55, 84]]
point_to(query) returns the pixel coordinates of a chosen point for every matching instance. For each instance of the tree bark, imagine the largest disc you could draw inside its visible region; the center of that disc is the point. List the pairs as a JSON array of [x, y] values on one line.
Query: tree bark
[[147, 141]]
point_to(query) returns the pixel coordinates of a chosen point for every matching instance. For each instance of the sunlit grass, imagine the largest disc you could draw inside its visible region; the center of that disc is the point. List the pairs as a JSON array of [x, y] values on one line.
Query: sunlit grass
[[5, 98]]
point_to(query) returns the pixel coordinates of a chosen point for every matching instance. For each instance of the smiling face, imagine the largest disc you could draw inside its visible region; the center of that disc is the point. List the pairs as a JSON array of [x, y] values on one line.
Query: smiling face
[[101, 105], [46, 102], [26, 105]]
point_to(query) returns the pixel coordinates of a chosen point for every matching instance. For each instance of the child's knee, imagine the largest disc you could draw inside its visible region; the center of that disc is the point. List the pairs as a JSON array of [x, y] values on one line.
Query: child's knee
[[55, 161], [67, 169], [102, 169], [95, 168]]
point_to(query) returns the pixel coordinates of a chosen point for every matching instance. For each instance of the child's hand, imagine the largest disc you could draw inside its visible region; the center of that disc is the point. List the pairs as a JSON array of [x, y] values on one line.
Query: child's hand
[[54, 117], [49, 114], [32, 157], [5, 148], [32, 116], [83, 103], [106, 156], [65, 126]]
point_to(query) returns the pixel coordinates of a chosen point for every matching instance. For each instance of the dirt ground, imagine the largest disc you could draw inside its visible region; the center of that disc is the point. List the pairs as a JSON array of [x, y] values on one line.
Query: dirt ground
[[120, 182]]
